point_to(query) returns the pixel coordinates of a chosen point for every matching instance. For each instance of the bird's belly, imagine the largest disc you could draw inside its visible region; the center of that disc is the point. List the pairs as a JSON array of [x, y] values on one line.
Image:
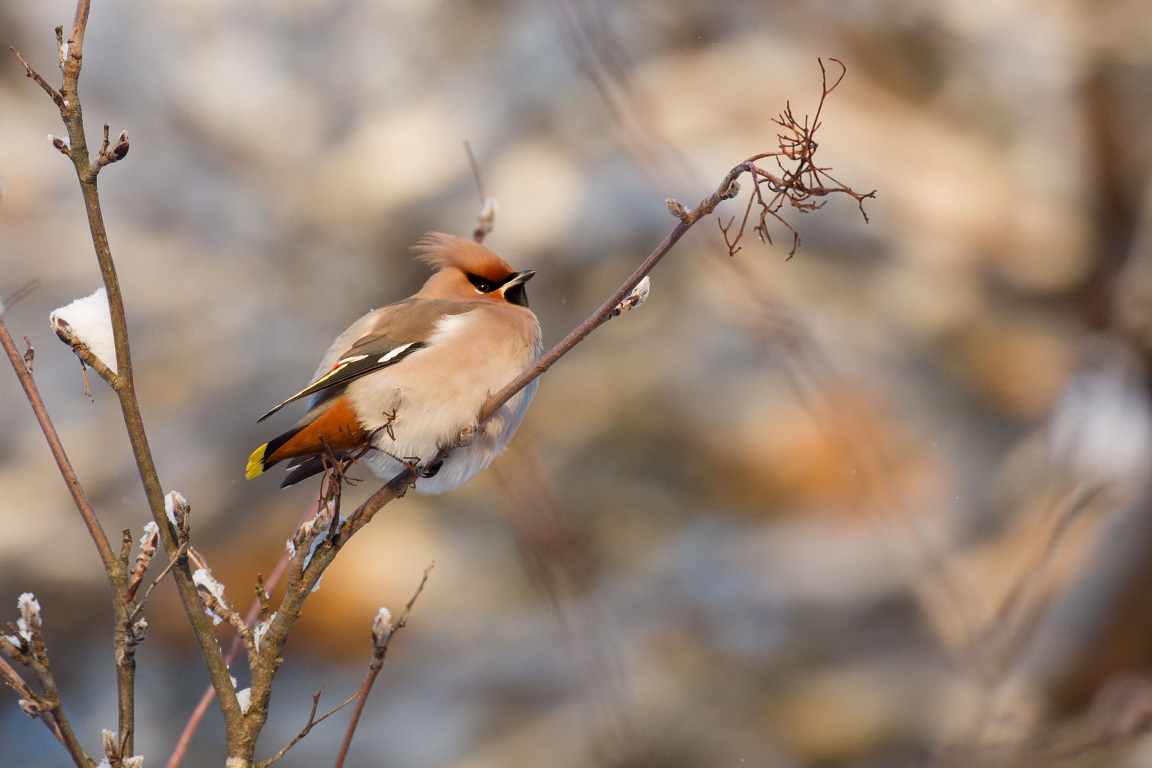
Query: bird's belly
[[415, 413]]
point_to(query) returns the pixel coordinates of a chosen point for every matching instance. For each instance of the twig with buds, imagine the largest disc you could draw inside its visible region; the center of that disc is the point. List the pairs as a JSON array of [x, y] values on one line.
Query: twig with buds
[[382, 632], [114, 752], [486, 218], [75, 146], [638, 296], [218, 607], [26, 646]]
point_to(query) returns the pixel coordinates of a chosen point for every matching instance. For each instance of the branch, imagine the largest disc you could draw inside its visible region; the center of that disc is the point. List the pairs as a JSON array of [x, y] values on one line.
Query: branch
[[305, 572], [313, 721], [255, 611], [803, 185], [486, 218], [26, 646], [382, 632], [128, 631], [797, 186], [67, 101], [79, 497], [40, 81]]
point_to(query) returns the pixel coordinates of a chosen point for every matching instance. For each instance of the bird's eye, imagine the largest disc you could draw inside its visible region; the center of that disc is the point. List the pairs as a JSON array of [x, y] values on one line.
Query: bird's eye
[[480, 284]]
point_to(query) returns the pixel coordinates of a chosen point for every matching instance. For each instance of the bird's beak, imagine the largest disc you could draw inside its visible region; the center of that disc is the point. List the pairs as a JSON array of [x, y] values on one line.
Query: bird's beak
[[513, 290], [520, 278]]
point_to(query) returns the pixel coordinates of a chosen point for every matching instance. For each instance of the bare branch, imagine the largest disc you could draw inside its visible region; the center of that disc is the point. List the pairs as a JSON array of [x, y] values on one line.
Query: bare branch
[[32, 652], [382, 632], [313, 721], [40, 81], [79, 497], [305, 570], [70, 51], [10, 300], [486, 218], [109, 154], [212, 594], [258, 610]]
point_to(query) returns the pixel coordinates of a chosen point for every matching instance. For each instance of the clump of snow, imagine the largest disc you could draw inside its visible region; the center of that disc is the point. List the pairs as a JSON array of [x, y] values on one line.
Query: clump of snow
[[382, 627], [261, 628], [29, 615], [203, 579], [89, 321], [177, 508], [151, 533]]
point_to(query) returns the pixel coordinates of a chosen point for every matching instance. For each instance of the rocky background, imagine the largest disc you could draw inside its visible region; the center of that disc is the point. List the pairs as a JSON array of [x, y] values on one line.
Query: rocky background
[[882, 504]]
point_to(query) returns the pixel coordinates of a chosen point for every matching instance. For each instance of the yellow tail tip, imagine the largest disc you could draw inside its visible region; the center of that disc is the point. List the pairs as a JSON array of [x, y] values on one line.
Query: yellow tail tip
[[256, 463]]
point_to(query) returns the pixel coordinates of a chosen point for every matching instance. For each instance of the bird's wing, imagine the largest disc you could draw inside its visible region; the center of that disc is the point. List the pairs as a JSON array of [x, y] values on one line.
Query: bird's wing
[[396, 331]]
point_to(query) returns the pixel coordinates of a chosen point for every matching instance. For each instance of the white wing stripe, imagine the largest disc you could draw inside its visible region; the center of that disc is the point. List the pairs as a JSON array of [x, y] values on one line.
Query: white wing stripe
[[394, 353]]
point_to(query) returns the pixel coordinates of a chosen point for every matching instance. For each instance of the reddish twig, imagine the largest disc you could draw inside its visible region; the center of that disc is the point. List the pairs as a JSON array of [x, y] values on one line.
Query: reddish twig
[[798, 186], [802, 184], [79, 497], [10, 300]]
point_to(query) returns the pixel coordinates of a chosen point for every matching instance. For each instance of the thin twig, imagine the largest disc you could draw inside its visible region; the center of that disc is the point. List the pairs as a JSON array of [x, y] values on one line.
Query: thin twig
[[46, 706], [313, 721], [8, 301], [40, 81], [486, 218], [381, 636], [79, 497]]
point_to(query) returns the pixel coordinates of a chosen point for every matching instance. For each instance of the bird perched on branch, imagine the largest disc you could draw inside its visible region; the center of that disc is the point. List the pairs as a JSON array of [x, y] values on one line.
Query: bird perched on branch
[[409, 379]]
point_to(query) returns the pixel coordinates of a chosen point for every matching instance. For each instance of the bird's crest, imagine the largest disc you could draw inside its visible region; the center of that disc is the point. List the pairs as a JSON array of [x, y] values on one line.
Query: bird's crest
[[439, 250]]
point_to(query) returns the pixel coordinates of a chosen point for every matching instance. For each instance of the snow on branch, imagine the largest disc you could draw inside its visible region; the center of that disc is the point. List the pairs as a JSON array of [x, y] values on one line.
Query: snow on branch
[[87, 321]]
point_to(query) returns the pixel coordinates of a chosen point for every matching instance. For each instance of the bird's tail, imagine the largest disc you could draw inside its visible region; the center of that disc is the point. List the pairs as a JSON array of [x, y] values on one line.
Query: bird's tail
[[265, 456]]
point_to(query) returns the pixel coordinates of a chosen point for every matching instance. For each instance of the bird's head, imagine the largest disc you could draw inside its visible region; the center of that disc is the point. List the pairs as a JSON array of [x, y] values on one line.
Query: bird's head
[[467, 271]]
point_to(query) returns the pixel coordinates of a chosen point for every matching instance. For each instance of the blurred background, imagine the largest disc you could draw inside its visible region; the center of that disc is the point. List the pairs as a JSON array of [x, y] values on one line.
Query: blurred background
[[882, 504]]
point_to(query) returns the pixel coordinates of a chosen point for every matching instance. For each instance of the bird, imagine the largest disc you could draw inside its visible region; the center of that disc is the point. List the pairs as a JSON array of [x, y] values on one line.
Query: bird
[[409, 379]]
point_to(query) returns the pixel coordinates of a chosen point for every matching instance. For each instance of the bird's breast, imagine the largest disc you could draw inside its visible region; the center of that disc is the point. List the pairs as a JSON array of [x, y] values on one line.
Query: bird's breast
[[423, 402]]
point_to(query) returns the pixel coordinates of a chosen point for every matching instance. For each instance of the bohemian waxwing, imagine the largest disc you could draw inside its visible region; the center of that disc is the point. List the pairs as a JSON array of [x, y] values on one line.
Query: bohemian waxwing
[[410, 378]]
